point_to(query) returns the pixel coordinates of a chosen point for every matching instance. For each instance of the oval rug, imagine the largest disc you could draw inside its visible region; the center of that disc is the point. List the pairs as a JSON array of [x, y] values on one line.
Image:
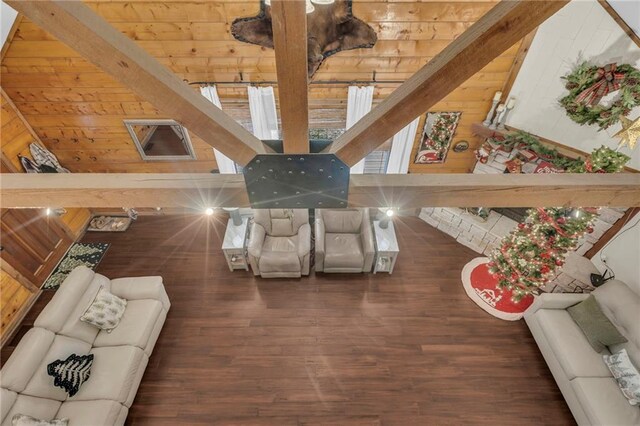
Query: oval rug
[[481, 287]]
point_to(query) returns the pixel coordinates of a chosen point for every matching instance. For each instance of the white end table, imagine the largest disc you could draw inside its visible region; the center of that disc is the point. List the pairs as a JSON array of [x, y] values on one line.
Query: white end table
[[386, 247], [234, 245]]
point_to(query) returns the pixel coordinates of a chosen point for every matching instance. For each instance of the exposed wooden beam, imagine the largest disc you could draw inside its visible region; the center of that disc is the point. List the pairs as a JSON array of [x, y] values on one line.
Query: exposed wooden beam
[[498, 30], [198, 191], [96, 40], [623, 24], [289, 24], [517, 64]]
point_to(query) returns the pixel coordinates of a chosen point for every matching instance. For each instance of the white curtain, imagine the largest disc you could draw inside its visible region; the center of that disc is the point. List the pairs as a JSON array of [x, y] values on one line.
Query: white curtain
[[401, 145], [359, 102], [225, 164], [262, 106]]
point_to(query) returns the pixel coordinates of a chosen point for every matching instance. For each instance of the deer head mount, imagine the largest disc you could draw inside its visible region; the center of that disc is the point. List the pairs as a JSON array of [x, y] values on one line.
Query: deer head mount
[[331, 28]]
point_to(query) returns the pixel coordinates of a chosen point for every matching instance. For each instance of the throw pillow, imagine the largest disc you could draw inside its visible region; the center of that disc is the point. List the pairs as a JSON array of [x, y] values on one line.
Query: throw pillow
[[24, 420], [595, 325], [71, 373], [625, 374], [105, 311]]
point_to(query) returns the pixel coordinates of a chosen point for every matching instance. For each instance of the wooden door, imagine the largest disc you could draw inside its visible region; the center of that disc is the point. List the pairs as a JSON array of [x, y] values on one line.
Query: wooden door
[[32, 242]]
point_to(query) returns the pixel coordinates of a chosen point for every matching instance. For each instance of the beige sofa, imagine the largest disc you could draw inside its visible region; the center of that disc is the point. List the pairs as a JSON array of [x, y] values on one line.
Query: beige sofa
[[280, 243], [344, 241], [591, 392], [120, 357]]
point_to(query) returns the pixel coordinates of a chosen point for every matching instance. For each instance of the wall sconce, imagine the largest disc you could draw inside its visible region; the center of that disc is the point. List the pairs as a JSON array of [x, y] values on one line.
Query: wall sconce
[[58, 211]]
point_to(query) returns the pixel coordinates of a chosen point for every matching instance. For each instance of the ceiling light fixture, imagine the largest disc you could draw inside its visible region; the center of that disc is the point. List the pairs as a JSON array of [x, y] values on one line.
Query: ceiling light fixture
[[208, 211]]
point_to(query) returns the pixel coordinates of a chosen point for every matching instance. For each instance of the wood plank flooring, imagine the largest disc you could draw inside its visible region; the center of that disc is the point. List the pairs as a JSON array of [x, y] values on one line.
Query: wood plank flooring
[[405, 349]]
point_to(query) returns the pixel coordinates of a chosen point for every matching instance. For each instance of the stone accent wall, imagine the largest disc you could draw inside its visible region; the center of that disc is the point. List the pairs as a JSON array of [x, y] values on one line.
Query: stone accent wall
[[468, 229]]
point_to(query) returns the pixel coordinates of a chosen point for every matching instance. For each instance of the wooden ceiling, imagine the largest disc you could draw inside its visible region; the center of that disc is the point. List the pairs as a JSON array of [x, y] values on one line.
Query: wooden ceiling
[[77, 110]]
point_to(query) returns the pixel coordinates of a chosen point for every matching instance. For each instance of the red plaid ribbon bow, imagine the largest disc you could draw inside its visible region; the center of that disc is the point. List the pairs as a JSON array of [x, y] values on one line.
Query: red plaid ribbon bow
[[608, 81]]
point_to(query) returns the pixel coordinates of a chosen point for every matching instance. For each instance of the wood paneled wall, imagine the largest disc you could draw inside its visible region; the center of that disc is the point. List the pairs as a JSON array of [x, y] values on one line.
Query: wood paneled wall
[[31, 244], [13, 299], [77, 110]]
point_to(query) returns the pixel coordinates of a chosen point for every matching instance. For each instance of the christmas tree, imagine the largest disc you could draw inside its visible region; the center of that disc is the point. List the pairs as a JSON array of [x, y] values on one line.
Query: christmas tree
[[529, 256]]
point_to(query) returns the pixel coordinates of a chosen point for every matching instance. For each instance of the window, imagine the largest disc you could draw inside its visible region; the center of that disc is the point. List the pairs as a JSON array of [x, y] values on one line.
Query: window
[[376, 162], [159, 140]]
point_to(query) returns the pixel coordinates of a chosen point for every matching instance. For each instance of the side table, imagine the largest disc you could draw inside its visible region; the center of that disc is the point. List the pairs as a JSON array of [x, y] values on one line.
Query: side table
[[234, 245], [386, 247]]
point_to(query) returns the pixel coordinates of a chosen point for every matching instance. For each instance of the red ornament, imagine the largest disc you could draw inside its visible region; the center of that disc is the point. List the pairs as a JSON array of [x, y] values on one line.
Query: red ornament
[[561, 220], [559, 262], [590, 230], [544, 269], [545, 255], [521, 226]]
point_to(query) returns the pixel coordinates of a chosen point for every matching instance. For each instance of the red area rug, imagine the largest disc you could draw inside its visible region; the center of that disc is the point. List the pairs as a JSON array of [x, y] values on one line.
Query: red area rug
[[481, 288]]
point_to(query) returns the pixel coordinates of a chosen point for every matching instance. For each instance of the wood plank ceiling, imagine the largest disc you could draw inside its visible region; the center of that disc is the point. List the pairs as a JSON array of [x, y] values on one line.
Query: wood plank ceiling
[[77, 110]]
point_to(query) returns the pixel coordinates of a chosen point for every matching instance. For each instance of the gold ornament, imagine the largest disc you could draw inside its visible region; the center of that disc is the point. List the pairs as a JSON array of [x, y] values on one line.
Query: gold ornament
[[630, 132]]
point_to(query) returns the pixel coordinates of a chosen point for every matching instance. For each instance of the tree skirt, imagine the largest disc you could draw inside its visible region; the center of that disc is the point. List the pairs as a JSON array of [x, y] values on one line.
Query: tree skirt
[[482, 288], [87, 254]]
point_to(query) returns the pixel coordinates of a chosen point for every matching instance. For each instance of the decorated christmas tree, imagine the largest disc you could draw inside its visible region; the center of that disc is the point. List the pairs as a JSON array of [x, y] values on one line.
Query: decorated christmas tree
[[529, 256]]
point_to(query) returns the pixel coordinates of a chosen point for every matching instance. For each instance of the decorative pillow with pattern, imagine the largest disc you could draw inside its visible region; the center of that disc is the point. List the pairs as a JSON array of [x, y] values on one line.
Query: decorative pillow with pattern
[[105, 311], [24, 420], [71, 373], [625, 374]]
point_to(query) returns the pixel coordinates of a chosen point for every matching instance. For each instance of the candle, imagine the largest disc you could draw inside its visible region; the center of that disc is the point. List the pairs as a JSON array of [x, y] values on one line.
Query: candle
[[500, 108], [511, 103], [497, 96]]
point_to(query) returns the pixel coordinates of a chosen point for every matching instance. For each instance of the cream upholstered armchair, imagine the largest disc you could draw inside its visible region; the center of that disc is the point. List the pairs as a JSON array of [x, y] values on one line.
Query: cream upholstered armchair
[[280, 243], [344, 240]]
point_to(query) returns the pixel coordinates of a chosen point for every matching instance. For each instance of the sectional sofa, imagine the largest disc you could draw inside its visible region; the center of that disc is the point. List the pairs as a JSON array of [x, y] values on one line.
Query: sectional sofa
[[586, 383], [120, 357]]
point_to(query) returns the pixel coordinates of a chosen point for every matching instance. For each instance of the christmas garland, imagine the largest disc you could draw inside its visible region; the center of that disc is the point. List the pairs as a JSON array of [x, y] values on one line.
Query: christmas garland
[[601, 160], [588, 84]]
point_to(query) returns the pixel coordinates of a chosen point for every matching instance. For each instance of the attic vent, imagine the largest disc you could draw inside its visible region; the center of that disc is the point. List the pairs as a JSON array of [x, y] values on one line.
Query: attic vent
[[160, 140]]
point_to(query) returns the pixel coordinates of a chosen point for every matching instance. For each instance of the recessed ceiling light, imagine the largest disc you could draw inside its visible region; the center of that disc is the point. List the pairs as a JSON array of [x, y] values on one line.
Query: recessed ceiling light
[[208, 211]]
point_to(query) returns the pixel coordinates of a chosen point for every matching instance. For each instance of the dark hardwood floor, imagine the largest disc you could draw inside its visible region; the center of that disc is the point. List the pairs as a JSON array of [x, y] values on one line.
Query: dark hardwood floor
[[405, 349]]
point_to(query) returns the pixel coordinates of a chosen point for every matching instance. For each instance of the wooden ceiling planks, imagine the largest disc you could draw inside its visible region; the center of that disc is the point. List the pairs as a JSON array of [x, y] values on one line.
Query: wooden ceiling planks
[[77, 108]]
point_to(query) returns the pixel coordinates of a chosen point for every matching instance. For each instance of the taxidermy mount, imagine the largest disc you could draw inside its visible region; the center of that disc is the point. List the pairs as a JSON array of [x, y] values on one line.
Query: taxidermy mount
[[331, 28]]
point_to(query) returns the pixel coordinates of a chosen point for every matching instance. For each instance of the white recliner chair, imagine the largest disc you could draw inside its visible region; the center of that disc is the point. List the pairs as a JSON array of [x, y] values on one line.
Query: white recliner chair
[[344, 241], [280, 243]]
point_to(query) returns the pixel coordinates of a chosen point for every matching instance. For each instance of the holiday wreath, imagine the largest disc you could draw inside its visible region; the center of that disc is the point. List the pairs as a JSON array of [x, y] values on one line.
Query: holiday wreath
[[588, 84]]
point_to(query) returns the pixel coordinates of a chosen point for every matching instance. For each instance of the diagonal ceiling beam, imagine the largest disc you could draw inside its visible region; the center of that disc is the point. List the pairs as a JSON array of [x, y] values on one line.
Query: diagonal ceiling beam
[[197, 191], [498, 30], [96, 40], [289, 24]]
